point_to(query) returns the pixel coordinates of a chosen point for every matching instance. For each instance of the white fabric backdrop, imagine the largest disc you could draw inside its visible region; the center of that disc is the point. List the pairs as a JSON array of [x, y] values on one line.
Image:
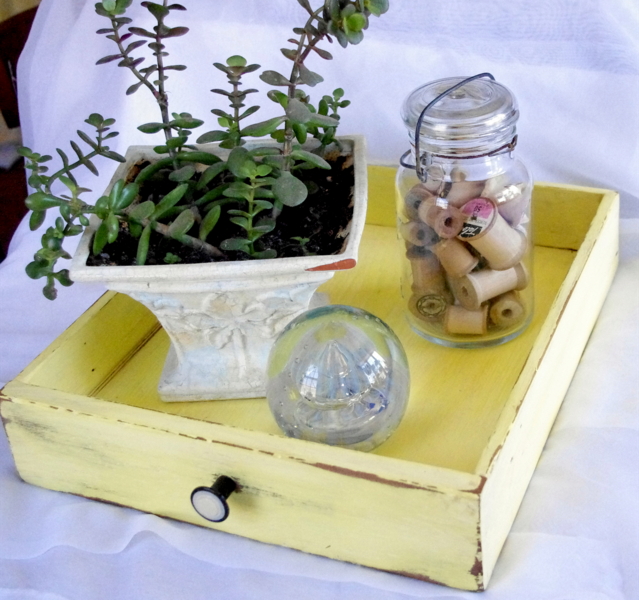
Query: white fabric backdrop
[[574, 67]]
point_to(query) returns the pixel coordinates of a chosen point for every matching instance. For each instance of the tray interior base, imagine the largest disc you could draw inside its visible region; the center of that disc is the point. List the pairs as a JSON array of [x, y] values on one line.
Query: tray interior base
[[456, 394]]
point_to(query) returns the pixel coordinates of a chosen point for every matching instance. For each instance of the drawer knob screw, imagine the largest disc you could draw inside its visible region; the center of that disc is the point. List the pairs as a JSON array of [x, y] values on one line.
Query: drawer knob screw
[[210, 502]]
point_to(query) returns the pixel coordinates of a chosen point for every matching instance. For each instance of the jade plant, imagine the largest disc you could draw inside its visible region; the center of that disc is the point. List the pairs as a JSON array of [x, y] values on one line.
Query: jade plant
[[248, 187]]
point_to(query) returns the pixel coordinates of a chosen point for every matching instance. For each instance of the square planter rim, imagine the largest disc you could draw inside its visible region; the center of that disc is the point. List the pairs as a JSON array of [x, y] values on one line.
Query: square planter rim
[[345, 259]]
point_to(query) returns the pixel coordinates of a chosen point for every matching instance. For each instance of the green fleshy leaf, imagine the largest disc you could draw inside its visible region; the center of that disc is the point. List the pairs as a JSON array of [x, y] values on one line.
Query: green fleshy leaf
[[279, 97], [182, 224], [39, 201], [74, 230], [151, 127], [236, 61], [354, 37], [263, 254], [186, 123], [113, 156], [38, 269], [263, 192], [36, 219], [274, 78], [323, 120], [289, 53], [235, 244], [263, 128], [86, 139], [301, 133], [325, 54], [298, 112], [309, 157], [63, 277], [142, 211], [176, 32], [170, 200], [100, 238], [157, 10], [176, 142], [134, 88], [126, 196], [107, 59], [216, 135], [102, 207], [183, 174], [289, 190], [265, 225], [142, 32], [115, 192], [264, 170], [355, 23], [238, 189], [240, 221], [209, 222], [308, 77], [265, 151], [171, 259], [238, 213], [377, 7], [204, 158], [210, 174], [241, 164], [143, 246], [113, 227]]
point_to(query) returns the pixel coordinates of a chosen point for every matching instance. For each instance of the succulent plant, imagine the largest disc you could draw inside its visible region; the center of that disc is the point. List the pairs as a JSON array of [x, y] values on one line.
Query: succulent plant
[[249, 187]]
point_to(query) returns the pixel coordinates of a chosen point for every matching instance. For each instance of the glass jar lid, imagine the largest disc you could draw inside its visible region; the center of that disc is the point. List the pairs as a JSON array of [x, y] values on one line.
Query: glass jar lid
[[478, 116]]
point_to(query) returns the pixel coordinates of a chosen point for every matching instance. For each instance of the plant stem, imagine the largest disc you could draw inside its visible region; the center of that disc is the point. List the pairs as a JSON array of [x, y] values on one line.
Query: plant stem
[[160, 93], [300, 56], [187, 240], [67, 170], [163, 99]]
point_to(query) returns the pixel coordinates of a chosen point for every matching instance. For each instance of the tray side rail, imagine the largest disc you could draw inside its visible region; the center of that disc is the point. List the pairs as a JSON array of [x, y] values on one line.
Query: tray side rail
[[512, 454]]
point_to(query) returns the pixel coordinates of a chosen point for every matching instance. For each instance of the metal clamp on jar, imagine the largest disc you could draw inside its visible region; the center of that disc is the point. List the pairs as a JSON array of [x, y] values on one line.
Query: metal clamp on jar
[[463, 214]]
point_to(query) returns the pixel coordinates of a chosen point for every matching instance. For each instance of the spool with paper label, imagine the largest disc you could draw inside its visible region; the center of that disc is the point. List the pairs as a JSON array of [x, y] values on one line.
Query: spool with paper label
[[489, 233]]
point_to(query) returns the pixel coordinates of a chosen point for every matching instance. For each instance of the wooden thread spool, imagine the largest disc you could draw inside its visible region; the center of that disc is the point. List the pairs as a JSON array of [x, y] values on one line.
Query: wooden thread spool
[[430, 306], [462, 191], [458, 320], [478, 287], [418, 233], [489, 233], [416, 195], [495, 185], [428, 275], [447, 221], [507, 310], [455, 257]]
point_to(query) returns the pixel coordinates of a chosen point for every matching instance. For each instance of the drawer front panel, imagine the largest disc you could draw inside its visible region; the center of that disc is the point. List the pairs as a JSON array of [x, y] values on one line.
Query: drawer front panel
[[318, 508]]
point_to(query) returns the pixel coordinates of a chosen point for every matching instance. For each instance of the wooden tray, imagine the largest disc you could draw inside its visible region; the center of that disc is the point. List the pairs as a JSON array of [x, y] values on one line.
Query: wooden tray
[[436, 501]]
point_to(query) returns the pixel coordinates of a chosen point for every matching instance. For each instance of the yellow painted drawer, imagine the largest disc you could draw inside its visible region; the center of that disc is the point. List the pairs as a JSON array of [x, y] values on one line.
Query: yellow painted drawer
[[436, 501]]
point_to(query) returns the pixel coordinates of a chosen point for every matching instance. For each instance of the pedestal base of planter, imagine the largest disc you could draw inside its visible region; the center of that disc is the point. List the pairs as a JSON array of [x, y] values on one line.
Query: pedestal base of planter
[[221, 335]]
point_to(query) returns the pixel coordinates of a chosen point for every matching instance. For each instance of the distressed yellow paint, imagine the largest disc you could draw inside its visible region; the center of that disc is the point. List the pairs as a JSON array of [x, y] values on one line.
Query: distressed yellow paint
[[436, 501]]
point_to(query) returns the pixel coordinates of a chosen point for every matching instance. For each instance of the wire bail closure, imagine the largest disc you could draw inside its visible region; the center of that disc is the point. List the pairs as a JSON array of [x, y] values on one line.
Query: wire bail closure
[[421, 166]]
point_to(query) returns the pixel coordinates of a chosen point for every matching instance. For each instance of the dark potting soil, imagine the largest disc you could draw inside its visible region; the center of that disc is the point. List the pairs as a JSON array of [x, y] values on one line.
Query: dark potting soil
[[323, 218]]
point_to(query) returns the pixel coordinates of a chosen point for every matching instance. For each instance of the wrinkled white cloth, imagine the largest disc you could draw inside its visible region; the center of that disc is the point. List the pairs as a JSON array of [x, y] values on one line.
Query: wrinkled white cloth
[[574, 67]]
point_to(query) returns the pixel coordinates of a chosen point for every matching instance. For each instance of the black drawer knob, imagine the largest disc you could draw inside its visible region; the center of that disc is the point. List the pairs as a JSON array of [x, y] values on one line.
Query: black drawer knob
[[210, 502]]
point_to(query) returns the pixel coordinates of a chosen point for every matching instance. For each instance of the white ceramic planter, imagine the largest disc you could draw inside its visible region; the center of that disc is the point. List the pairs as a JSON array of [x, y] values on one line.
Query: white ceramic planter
[[223, 317]]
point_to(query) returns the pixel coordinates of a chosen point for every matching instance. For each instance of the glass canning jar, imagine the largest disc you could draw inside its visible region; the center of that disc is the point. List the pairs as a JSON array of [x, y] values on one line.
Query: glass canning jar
[[463, 214]]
